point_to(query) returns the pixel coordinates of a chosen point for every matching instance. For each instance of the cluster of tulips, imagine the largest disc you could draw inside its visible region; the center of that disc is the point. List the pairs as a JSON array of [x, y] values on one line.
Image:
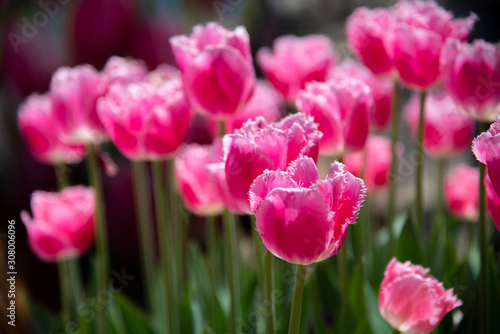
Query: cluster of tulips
[[263, 163]]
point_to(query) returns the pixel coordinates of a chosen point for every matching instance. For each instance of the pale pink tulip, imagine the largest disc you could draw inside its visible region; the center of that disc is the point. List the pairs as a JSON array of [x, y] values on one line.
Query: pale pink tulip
[[144, 121], [36, 123], [301, 219], [413, 301], [461, 192], [447, 132], [493, 202], [294, 61], [123, 71], [217, 70], [372, 164], [471, 74], [62, 226], [486, 148]]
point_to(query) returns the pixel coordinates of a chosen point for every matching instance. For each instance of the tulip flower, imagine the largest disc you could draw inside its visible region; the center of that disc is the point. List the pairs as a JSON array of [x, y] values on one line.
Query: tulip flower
[[294, 61], [217, 70], [411, 300], [258, 146], [471, 74], [493, 202], [301, 219], [461, 193], [341, 107], [198, 189], [123, 71], [486, 148], [420, 33], [74, 93], [35, 121], [144, 121], [381, 91], [446, 131], [62, 226], [373, 166]]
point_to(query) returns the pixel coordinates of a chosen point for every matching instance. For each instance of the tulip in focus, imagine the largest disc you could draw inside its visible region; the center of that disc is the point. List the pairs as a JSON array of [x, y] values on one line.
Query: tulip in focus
[[294, 61], [35, 121], [447, 132], [144, 121], [373, 166], [301, 219], [471, 74], [461, 193], [62, 226], [486, 148], [493, 202], [217, 69], [411, 300]]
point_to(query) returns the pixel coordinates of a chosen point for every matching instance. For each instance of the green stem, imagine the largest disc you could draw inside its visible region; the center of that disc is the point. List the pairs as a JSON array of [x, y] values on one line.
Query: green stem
[[67, 302], [269, 300], [212, 265], [176, 236], [164, 245], [232, 269], [483, 244], [394, 162], [259, 254], [442, 166], [61, 176], [102, 252], [420, 162], [298, 292], [144, 222]]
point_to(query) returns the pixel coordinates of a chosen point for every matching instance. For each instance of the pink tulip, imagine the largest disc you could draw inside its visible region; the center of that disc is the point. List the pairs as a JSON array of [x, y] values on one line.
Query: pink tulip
[[294, 61], [35, 121], [411, 300], [62, 226], [123, 71], [486, 148], [217, 70], [381, 91], [341, 107], [471, 73], [373, 166], [146, 122], [367, 32], [418, 37], [447, 132], [258, 146], [198, 189], [74, 93], [300, 218], [461, 193], [493, 202]]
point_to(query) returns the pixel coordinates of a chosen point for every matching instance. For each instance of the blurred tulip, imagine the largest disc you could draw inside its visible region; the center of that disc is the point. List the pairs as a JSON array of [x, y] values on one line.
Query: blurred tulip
[[62, 226], [294, 61], [123, 71], [146, 122], [461, 193], [493, 201], [217, 70], [446, 131], [301, 219], [259, 145], [341, 107], [199, 191], [35, 121], [486, 148], [418, 37], [373, 166], [381, 91], [471, 74], [74, 92], [411, 301]]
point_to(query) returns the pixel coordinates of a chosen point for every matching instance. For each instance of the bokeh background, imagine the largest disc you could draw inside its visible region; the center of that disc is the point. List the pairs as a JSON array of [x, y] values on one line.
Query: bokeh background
[[40, 36]]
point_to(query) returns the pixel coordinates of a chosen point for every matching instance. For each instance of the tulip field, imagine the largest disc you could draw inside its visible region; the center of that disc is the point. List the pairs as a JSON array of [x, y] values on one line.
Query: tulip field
[[203, 177]]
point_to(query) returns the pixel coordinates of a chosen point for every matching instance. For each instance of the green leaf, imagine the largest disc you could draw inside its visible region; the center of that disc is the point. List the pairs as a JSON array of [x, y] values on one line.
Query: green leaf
[[42, 319], [377, 324], [135, 320]]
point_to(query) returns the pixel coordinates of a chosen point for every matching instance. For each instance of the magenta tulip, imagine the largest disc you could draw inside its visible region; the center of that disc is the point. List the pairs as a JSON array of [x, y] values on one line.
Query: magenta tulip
[[62, 226], [301, 219], [217, 70], [411, 300], [294, 61], [461, 193], [471, 74], [486, 148], [493, 201], [36, 123], [447, 132]]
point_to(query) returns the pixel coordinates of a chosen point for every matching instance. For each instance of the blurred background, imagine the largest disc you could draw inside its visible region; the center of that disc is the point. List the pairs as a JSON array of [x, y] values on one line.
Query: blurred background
[[40, 36]]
